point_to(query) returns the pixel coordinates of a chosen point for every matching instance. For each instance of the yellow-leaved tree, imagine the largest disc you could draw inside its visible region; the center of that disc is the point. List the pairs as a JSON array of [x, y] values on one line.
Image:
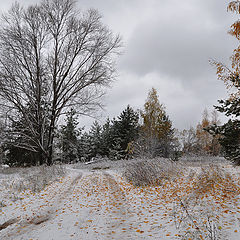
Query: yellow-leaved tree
[[156, 127], [230, 74], [230, 132], [207, 143]]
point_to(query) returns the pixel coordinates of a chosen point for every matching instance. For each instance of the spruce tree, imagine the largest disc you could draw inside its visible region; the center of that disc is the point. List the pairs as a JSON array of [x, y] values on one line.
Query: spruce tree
[[69, 134], [107, 137], [84, 147], [127, 127], [20, 144], [230, 131], [95, 140], [118, 133]]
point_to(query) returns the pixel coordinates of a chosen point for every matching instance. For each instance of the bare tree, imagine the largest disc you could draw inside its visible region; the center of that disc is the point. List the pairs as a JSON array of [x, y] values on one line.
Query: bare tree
[[52, 57]]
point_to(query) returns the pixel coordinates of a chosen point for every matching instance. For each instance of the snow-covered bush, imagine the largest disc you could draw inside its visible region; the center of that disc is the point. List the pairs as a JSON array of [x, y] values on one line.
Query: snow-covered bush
[[151, 172], [197, 209], [35, 178]]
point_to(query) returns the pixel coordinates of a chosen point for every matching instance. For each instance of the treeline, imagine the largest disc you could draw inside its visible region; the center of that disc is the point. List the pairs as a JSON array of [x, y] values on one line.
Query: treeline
[[134, 133], [198, 141], [146, 132], [138, 133]]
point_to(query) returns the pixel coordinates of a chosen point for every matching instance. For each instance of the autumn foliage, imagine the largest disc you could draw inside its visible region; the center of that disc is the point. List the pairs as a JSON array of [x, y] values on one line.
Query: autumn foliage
[[230, 75], [230, 132], [156, 129], [156, 123], [207, 143]]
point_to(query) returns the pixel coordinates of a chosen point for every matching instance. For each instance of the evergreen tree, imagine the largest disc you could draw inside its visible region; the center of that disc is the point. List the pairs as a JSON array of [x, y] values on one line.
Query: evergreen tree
[[112, 139], [116, 152], [126, 129], [20, 144], [107, 137], [69, 138], [84, 148], [229, 132], [15, 155], [95, 138]]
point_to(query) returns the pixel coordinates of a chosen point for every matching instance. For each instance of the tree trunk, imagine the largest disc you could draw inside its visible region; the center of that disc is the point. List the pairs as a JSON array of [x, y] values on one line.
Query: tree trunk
[[51, 136], [50, 145]]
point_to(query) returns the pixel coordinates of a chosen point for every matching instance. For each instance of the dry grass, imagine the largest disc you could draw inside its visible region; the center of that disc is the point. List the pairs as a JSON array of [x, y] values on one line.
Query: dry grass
[[213, 179], [34, 179], [151, 172], [9, 170], [201, 204]]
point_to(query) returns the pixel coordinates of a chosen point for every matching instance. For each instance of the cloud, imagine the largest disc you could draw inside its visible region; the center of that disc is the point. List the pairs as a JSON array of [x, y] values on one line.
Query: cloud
[[184, 104], [177, 42], [167, 46]]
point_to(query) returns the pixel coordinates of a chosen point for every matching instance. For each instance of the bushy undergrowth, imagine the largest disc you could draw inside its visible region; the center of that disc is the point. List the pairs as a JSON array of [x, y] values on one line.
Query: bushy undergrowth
[[199, 193], [9, 170], [201, 202], [213, 178], [151, 172], [34, 179]]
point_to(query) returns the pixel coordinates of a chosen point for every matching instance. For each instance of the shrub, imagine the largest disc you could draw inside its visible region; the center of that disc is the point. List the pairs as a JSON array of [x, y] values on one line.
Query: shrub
[[199, 203], [34, 179], [150, 172]]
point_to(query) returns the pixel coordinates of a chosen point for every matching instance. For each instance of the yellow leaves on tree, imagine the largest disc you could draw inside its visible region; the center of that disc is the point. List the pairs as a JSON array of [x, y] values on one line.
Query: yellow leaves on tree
[[231, 76], [204, 138], [155, 121], [234, 6], [207, 142]]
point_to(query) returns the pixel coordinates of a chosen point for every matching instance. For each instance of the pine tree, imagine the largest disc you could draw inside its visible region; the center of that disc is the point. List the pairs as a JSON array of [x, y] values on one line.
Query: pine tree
[[116, 152], [84, 147], [118, 133], [107, 138], [20, 144], [228, 134]]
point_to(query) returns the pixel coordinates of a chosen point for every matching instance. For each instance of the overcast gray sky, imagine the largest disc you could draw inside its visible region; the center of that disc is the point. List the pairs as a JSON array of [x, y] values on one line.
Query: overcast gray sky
[[167, 45]]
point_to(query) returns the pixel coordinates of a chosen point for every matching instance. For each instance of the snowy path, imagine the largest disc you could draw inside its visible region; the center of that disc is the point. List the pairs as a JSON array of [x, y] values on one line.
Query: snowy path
[[101, 205], [88, 205]]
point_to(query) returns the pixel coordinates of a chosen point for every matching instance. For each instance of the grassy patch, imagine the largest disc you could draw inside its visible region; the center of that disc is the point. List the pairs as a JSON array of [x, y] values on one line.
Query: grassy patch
[[201, 209], [34, 179], [151, 172]]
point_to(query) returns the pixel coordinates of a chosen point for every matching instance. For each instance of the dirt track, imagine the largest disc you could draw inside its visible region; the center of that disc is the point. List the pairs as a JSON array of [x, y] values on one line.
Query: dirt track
[[93, 204]]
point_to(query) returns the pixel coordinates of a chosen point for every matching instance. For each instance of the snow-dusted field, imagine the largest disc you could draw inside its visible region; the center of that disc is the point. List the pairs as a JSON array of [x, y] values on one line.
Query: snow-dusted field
[[195, 200]]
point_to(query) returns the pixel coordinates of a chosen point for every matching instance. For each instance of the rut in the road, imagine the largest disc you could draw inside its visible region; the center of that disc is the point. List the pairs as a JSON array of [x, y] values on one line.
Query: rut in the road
[[108, 206], [94, 206], [42, 215]]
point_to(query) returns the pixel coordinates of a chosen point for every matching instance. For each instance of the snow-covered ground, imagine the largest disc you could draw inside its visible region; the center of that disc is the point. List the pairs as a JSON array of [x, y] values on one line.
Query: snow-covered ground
[[94, 201]]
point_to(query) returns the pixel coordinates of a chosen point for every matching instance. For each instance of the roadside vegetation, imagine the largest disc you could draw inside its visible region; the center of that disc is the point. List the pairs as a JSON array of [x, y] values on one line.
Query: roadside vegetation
[[54, 66]]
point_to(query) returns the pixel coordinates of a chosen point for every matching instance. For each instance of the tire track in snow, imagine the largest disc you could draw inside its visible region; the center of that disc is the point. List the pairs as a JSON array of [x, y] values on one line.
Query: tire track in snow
[[91, 206], [38, 216]]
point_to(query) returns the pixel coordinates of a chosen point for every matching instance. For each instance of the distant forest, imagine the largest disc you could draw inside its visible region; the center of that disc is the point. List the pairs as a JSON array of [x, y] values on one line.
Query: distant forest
[[57, 61]]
